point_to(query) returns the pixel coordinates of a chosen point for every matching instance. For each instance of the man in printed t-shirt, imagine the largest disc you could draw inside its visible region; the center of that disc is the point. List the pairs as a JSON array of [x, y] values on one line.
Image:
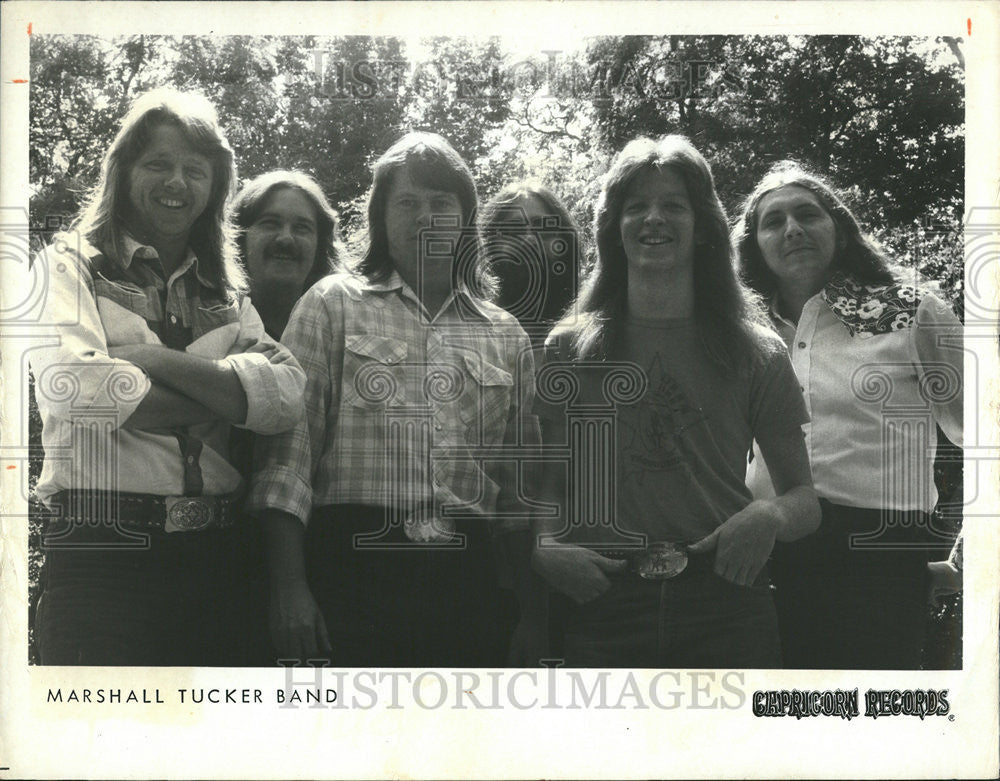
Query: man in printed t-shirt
[[657, 382]]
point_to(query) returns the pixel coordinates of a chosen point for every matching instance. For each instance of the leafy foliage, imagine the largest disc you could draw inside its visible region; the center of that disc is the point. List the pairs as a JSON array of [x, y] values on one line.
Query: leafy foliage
[[882, 116]]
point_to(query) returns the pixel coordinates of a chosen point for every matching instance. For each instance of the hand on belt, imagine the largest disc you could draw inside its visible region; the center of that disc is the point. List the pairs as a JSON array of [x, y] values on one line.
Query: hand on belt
[[151, 511], [657, 561]]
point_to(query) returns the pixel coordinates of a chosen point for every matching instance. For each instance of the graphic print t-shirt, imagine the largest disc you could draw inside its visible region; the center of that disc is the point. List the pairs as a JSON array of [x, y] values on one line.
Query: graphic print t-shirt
[[680, 448]]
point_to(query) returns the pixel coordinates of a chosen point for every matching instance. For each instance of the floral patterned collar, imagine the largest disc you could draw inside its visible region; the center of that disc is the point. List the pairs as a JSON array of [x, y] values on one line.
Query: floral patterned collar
[[867, 310]]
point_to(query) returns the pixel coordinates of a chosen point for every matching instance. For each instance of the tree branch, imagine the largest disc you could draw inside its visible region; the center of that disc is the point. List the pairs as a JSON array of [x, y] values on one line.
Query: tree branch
[[136, 54], [955, 49], [525, 121]]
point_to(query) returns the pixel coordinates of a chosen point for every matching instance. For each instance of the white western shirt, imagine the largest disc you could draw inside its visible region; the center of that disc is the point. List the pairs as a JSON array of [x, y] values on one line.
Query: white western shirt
[[873, 402]]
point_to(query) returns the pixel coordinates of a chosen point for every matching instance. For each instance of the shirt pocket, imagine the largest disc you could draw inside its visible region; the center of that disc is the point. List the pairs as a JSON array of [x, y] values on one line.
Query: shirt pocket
[[485, 405], [214, 315], [214, 329], [125, 312], [373, 375], [122, 292]]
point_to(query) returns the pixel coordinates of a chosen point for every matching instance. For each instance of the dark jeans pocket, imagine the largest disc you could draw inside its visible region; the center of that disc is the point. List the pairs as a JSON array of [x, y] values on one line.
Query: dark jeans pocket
[[596, 609], [760, 588]]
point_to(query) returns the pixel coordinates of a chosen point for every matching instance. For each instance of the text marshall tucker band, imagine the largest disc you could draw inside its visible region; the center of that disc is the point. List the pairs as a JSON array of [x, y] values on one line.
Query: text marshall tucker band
[[844, 703], [800, 704]]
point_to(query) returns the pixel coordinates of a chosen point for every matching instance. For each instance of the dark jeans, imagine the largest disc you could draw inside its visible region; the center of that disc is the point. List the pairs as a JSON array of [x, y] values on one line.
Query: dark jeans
[[175, 602], [257, 648], [844, 606], [406, 607], [696, 619]]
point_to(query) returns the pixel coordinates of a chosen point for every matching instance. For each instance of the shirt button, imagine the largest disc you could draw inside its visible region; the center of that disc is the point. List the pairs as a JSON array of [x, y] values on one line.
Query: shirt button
[[173, 319], [437, 426], [190, 459], [390, 360], [802, 345]]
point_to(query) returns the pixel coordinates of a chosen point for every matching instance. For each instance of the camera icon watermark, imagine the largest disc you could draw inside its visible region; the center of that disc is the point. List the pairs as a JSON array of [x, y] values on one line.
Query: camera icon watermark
[[28, 273], [537, 261]]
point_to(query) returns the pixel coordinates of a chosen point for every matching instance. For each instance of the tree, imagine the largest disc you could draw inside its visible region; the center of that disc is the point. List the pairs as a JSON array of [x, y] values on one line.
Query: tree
[[883, 115]]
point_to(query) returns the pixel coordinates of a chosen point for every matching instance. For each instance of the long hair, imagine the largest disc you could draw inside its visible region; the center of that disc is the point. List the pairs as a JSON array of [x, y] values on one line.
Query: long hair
[[254, 197], [500, 213], [725, 311], [433, 163], [104, 220], [857, 255]]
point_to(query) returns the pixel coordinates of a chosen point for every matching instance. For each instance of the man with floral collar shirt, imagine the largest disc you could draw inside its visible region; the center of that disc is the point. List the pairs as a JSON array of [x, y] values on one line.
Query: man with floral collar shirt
[[880, 363], [384, 508]]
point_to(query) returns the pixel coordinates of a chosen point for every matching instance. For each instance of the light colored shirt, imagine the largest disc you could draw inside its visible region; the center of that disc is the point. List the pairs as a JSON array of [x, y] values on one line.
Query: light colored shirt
[[93, 303], [873, 401], [403, 410]]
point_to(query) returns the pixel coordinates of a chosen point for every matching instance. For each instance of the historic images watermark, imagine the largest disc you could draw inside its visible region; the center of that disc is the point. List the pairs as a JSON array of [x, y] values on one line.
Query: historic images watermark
[[547, 689], [554, 76]]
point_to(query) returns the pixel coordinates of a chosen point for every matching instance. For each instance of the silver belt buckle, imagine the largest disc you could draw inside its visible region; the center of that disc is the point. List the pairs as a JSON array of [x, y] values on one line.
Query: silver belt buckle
[[662, 560], [187, 514]]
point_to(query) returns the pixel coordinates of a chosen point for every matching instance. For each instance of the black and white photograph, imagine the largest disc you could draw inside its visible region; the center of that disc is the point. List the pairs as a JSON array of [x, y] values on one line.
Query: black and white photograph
[[390, 385]]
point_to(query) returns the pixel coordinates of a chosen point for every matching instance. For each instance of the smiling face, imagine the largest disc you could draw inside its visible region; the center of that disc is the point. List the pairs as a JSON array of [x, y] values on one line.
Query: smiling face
[[169, 187], [657, 222], [796, 236], [281, 242], [408, 209]]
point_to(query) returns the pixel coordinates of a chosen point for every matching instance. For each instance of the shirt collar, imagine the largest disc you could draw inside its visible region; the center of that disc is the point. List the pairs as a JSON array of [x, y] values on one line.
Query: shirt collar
[[134, 248], [776, 315], [780, 318], [390, 283], [460, 297]]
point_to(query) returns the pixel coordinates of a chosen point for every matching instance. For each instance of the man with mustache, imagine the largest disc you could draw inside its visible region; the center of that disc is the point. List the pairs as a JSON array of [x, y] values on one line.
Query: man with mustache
[[287, 239]]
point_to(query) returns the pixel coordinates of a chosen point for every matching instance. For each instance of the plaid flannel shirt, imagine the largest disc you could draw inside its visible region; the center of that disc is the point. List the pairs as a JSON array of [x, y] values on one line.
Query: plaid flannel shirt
[[403, 410]]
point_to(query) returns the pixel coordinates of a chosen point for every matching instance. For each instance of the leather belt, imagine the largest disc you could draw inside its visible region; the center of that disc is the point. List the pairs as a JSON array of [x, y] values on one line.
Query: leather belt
[[151, 511], [657, 561]]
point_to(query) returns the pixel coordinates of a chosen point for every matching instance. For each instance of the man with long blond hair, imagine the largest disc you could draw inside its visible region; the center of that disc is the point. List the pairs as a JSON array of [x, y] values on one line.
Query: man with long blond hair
[[156, 355]]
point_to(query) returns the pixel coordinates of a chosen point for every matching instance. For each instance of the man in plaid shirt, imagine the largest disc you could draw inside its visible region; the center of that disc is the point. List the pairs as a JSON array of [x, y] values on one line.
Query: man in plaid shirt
[[384, 508]]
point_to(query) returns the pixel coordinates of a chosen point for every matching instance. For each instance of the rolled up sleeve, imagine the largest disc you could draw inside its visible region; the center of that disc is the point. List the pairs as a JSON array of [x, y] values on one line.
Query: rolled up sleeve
[[279, 481], [284, 463], [271, 377]]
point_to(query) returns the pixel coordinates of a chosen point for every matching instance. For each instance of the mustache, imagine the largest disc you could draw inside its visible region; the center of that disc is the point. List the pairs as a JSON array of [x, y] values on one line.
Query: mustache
[[290, 250]]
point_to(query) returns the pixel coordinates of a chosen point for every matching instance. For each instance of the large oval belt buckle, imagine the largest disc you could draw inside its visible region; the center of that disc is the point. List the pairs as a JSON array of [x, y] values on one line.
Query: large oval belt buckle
[[662, 560], [425, 527], [185, 514]]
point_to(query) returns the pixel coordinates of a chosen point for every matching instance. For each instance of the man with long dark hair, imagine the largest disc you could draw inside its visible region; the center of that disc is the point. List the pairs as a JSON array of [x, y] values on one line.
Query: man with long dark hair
[[380, 544], [660, 546], [862, 341], [534, 250]]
